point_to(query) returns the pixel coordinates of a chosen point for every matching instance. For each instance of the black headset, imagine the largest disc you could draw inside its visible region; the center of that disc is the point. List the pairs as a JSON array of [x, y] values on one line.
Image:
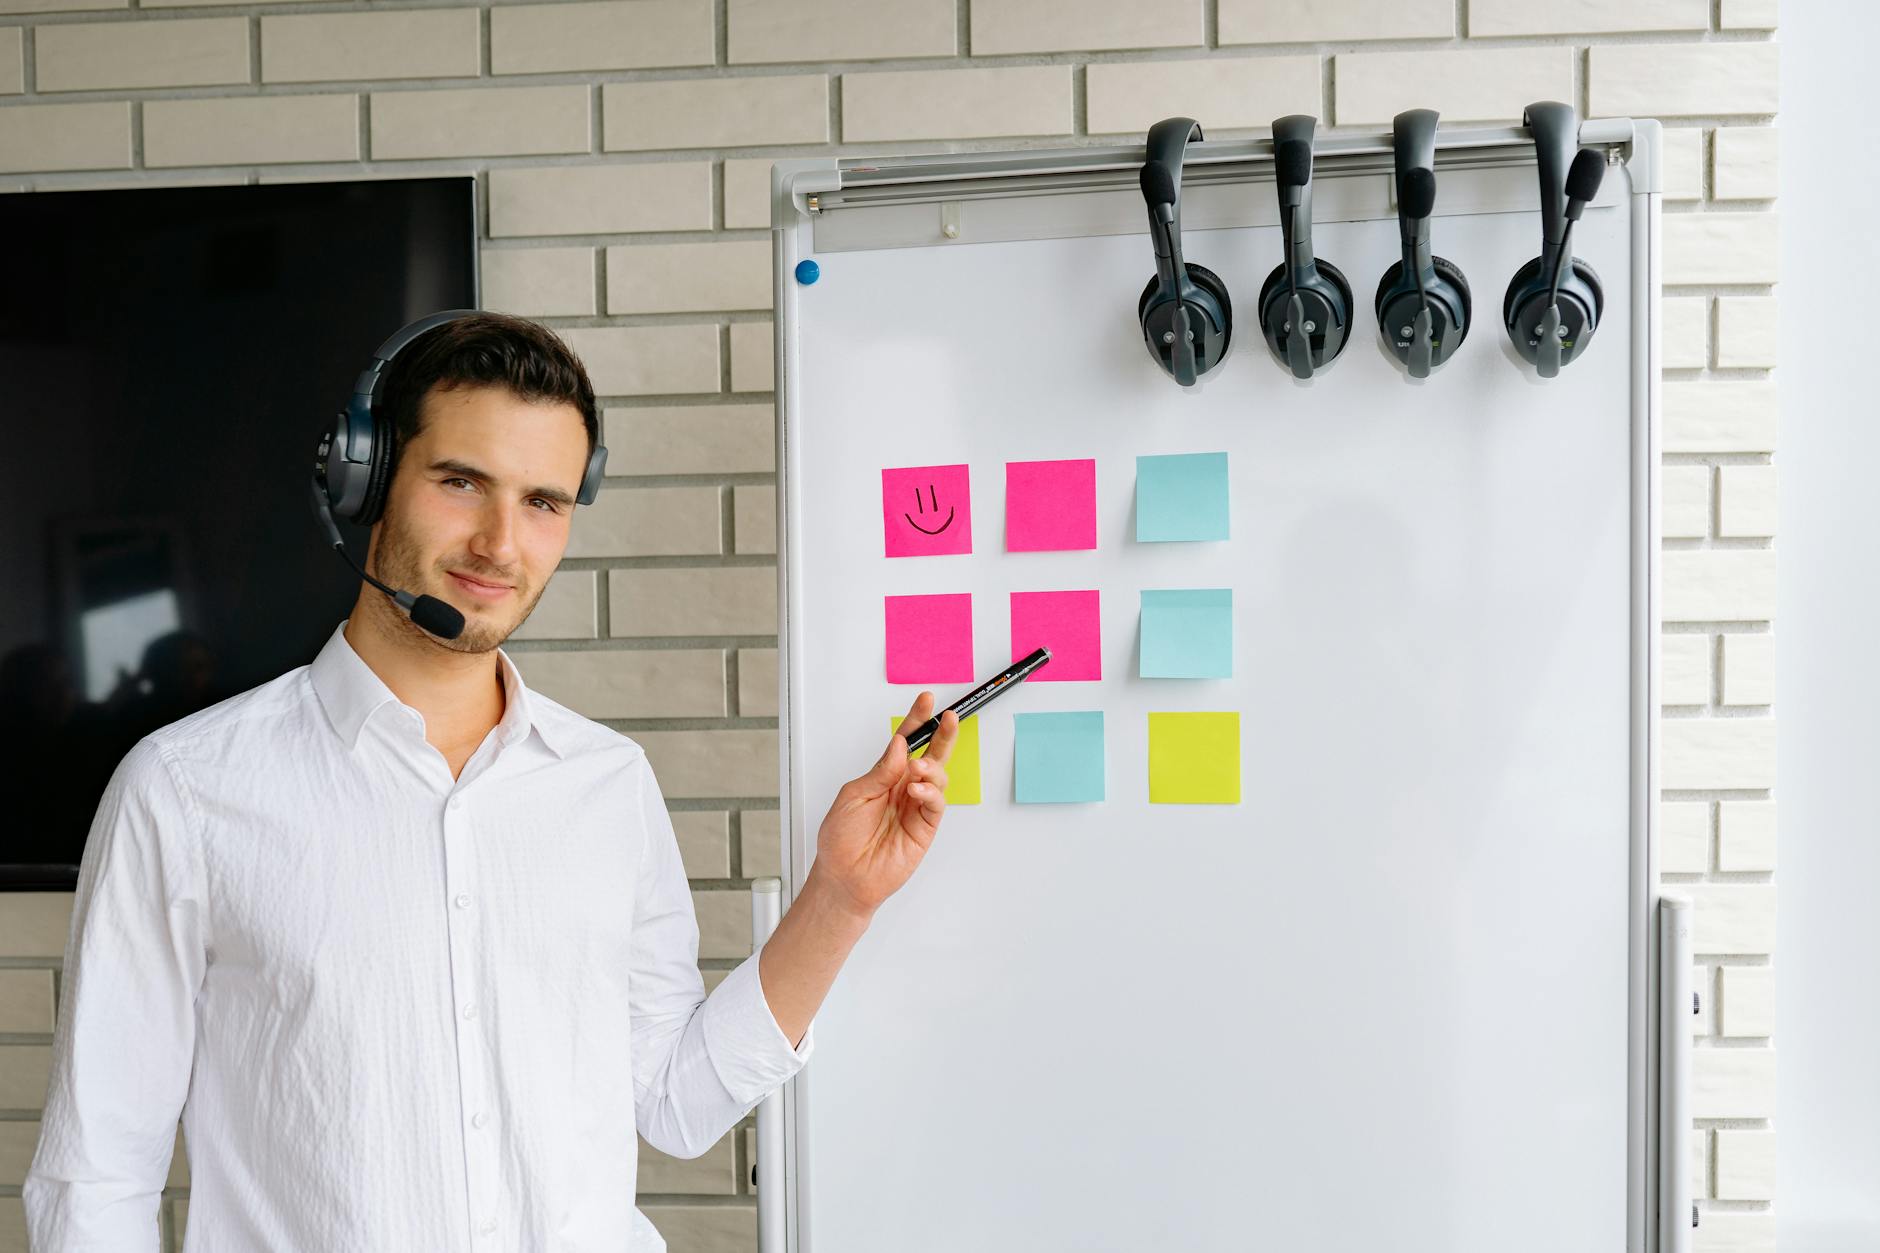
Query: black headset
[[1422, 302], [1554, 302], [1187, 320], [353, 468], [1305, 304]]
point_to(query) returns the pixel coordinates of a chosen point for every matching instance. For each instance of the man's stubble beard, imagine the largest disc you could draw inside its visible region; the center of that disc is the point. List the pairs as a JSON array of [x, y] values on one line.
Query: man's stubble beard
[[395, 561]]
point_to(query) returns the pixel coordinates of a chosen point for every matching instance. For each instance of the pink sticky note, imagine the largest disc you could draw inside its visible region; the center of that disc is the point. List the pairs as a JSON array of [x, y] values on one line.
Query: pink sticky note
[[930, 638], [1064, 622], [1050, 505], [926, 511]]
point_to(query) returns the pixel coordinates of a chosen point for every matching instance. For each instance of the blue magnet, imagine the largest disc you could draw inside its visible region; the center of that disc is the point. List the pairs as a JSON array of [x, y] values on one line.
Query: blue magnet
[[807, 272]]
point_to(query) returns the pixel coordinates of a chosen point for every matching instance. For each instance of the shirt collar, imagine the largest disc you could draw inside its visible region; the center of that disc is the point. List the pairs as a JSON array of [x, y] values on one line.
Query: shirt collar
[[351, 693]]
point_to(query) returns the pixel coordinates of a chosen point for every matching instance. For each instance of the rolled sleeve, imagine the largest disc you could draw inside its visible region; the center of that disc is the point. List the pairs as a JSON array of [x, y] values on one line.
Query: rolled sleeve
[[748, 1049]]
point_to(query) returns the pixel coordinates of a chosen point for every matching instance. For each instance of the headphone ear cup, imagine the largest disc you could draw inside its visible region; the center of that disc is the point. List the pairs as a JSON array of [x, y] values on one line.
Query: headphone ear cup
[[1210, 282], [1343, 287], [1519, 285], [1590, 277], [1392, 277], [1446, 269], [379, 478]]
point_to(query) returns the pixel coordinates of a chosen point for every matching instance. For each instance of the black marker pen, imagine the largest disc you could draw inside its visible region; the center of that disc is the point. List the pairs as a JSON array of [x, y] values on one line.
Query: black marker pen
[[980, 695]]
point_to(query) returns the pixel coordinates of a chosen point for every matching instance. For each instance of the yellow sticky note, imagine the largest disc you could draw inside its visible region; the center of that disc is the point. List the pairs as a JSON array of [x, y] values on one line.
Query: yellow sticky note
[[1194, 758], [962, 763]]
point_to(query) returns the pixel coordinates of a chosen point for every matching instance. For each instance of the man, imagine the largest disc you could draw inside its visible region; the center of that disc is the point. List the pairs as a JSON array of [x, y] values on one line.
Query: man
[[409, 946]]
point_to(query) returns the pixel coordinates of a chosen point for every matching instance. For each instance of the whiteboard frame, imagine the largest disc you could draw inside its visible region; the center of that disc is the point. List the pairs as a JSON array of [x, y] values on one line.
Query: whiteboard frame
[[911, 200]]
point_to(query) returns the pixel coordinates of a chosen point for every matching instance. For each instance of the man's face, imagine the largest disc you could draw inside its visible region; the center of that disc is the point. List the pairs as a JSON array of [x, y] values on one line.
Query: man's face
[[477, 514]]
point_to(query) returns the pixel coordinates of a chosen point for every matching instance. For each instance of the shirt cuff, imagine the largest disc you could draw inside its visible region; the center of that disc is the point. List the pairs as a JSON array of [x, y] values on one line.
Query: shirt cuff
[[748, 1049]]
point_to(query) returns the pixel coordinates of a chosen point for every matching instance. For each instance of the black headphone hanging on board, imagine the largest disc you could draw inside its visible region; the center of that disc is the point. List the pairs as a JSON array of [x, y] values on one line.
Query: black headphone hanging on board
[[1186, 317], [1554, 302], [1305, 304], [353, 468], [1422, 303]]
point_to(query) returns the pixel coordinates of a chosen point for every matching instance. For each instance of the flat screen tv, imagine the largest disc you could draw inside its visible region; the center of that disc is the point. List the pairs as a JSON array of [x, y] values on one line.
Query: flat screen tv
[[168, 358]]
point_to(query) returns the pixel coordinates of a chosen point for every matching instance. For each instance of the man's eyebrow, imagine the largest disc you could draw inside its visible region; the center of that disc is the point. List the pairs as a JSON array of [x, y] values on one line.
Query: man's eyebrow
[[452, 466]]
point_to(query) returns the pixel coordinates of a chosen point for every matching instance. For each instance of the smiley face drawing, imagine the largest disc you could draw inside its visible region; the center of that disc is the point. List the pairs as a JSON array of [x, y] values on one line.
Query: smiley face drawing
[[926, 511]]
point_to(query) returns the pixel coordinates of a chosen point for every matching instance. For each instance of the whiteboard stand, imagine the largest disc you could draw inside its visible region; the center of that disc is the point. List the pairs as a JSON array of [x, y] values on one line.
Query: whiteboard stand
[[1492, 543], [766, 910]]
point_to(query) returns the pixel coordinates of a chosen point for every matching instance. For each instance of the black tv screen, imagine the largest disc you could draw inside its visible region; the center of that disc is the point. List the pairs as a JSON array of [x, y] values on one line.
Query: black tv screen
[[168, 360]]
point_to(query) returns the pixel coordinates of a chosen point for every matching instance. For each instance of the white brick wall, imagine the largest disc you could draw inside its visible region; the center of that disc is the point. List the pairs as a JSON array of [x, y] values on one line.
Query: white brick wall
[[624, 147]]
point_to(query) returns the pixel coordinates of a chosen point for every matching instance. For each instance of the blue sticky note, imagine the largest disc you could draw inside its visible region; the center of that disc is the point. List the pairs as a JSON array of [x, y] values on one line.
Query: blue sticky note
[[1058, 757], [1188, 634], [1181, 497]]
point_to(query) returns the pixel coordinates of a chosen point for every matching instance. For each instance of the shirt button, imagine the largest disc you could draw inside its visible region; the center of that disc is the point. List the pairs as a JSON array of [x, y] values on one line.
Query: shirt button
[[456, 802], [463, 900], [477, 1120], [470, 1011], [488, 1228]]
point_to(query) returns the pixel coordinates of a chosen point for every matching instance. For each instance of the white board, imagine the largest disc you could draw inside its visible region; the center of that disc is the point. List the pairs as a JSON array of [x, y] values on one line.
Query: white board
[[1388, 1000]]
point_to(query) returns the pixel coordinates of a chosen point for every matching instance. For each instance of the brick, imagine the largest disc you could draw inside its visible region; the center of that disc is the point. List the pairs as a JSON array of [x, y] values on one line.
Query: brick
[[1000, 27], [42, 138], [724, 923], [179, 1165], [757, 682], [1719, 417], [1733, 1083], [1681, 80], [1683, 837], [1592, 17], [249, 130], [705, 764], [713, 1172], [1223, 93], [838, 30], [688, 278], [633, 683], [647, 360], [704, 837], [12, 61], [62, 6], [24, 1071], [179, 1209], [1685, 322], [1684, 163], [1720, 248], [762, 847], [705, 1227], [566, 610], [1282, 21], [1746, 1158], [1728, 1231], [601, 199], [1743, 166], [648, 522], [1685, 496], [18, 1140], [956, 104], [26, 1000], [1748, 1004], [612, 35], [1474, 84], [747, 192], [479, 122], [1704, 981], [1700, 1172], [1747, 15], [1719, 753], [400, 43], [1748, 332], [1749, 669], [728, 600], [1746, 835], [694, 439], [1685, 677], [35, 924], [1732, 918], [753, 357], [1719, 585], [539, 282], [750, 1157], [715, 112], [1746, 501], [754, 518], [183, 52]]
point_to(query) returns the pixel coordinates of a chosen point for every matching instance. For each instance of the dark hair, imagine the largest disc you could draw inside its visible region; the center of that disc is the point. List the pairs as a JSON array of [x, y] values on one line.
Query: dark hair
[[486, 349]]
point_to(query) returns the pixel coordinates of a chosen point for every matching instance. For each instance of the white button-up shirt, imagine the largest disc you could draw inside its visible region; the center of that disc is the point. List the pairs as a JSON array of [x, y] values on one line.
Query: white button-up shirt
[[398, 1012]]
